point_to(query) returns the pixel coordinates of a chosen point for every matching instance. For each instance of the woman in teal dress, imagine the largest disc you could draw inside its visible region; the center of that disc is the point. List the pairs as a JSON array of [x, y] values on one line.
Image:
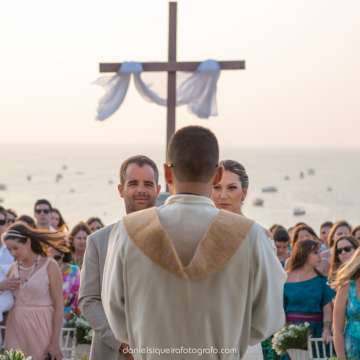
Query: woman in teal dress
[[347, 310], [307, 295]]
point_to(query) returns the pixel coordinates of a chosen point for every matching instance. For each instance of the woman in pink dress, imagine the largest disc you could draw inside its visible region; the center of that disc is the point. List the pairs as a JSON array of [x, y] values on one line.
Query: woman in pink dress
[[34, 323]]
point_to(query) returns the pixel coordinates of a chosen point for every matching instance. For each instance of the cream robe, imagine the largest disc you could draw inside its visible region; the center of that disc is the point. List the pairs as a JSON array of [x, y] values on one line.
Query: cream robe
[[103, 345], [187, 277]]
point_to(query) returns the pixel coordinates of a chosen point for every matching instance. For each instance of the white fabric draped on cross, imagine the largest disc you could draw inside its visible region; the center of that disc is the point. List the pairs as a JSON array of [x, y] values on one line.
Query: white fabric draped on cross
[[198, 91]]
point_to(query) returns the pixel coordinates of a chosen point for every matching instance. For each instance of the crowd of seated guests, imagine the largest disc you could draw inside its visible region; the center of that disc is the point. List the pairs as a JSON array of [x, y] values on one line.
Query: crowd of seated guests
[[322, 286]]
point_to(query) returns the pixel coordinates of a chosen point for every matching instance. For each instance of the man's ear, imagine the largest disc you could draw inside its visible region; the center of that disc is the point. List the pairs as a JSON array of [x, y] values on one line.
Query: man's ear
[[168, 174], [121, 190], [158, 188], [218, 175]]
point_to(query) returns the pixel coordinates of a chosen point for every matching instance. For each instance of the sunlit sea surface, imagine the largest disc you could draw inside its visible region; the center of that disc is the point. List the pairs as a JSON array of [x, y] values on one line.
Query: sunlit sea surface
[[88, 177]]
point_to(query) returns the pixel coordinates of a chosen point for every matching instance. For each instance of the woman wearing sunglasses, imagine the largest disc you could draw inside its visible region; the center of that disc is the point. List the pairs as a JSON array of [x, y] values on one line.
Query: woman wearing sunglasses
[[344, 248]]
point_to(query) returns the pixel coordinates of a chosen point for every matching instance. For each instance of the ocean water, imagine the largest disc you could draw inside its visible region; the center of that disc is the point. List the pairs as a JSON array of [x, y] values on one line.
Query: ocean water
[[88, 186]]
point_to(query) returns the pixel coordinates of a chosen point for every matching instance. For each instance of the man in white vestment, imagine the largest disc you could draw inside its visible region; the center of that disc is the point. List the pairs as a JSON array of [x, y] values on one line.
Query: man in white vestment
[[139, 188], [187, 280]]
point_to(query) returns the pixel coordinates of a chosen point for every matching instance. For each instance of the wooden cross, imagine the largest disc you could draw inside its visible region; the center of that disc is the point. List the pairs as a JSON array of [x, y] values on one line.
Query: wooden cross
[[172, 66]]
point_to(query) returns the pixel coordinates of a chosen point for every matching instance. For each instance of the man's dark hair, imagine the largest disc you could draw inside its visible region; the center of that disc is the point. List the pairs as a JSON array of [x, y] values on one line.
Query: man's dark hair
[[92, 219], [41, 202], [281, 235], [28, 220], [139, 160], [194, 154], [326, 224]]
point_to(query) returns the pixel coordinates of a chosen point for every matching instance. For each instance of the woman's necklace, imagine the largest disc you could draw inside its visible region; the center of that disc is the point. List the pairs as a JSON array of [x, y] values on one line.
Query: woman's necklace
[[31, 270]]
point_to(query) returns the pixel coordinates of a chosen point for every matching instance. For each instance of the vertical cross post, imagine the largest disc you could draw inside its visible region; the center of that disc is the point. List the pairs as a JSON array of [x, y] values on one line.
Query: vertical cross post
[[171, 88]]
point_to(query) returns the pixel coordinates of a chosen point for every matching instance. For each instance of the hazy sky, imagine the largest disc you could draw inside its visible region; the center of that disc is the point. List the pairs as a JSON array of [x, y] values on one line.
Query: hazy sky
[[301, 86]]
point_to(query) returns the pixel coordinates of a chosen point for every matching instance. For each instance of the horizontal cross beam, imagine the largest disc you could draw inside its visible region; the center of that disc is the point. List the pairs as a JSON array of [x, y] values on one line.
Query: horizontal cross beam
[[176, 66]]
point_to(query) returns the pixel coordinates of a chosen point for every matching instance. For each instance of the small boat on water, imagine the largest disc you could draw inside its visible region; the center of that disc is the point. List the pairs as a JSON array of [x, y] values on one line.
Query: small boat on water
[[269, 189], [58, 177], [258, 202], [28, 178], [311, 172], [298, 211]]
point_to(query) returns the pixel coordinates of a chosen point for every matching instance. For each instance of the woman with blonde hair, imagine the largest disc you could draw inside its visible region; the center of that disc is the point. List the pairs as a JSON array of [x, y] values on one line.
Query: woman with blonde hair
[[34, 323], [347, 310], [229, 194]]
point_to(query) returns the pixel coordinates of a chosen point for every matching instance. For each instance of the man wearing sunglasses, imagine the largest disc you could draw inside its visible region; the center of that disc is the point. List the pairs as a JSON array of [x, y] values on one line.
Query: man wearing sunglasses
[[42, 213], [139, 189]]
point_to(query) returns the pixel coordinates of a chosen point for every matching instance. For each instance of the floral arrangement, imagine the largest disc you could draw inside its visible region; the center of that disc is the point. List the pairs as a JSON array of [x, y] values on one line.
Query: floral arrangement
[[84, 332], [14, 355], [291, 337]]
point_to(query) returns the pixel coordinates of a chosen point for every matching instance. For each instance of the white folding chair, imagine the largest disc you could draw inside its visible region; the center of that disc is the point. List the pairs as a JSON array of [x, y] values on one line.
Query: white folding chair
[[318, 350], [68, 343]]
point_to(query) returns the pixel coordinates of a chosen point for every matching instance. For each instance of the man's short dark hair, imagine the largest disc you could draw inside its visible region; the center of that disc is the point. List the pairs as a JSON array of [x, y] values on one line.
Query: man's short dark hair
[[42, 202], [139, 160], [326, 224], [194, 154], [281, 235]]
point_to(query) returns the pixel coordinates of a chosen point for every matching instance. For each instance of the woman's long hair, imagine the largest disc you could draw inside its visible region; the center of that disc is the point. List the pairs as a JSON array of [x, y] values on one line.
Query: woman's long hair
[[300, 254], [348, 271], [332, 232], [355, 230], [39, 239], [300, 227], [62, 226], [335, 262], [81, 226]]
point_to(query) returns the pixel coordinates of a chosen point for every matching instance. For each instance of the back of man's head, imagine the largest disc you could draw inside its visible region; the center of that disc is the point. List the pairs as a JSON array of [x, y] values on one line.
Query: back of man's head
[[194, 154]]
